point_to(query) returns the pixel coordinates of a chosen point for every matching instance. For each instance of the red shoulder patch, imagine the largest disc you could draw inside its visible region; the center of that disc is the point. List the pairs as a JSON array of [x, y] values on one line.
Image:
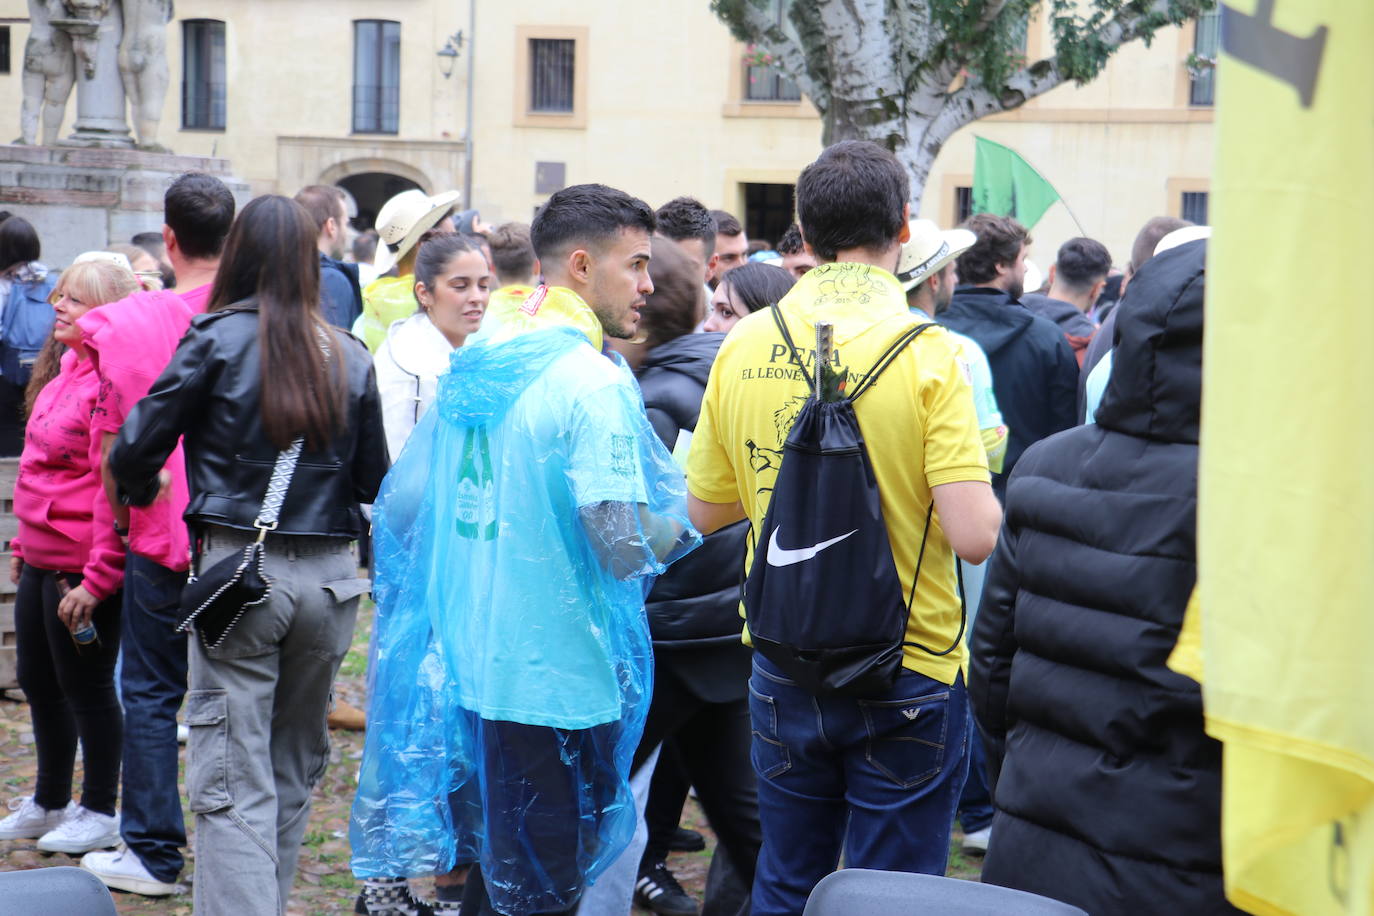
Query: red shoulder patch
[[535, 299]]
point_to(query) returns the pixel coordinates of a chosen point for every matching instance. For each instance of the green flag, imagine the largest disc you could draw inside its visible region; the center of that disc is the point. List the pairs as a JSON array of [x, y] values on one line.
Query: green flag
[[1004, 184]]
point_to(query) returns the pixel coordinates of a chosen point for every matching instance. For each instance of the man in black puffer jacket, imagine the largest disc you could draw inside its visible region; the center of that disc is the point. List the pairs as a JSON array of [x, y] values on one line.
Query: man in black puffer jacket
[[1109, 791]]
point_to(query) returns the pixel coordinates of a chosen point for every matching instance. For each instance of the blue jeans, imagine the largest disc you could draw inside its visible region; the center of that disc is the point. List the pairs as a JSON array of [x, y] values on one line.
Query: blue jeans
[[877, 777], [153, 682], [975, 806]]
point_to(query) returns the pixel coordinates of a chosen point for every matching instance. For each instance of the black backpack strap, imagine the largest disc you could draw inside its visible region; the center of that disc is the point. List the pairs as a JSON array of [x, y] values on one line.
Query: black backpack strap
[[916, 579], [883, 362], [889, 356], [787, 338]]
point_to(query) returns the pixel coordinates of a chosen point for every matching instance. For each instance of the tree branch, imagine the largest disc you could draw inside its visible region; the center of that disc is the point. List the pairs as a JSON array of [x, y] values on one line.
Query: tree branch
[[913, 37], [754, 24], [976, 100], [991, 9], [1082, 57], [1126, 25]]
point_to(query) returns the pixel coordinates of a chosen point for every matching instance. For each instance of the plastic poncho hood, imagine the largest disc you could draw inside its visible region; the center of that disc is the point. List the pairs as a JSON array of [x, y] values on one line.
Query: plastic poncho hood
[[515, 539], [386, 300], [517, 310], [484, 381]]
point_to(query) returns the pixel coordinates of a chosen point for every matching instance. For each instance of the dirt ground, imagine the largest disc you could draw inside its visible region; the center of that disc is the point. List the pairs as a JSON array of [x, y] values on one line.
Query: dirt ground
[[324, 885]]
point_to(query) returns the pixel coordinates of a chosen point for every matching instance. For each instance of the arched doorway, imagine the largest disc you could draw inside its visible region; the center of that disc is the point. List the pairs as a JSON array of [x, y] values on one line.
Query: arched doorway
[[371, 190]]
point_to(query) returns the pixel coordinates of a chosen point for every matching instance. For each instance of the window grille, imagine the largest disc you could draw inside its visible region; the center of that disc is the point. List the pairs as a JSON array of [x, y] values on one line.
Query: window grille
[[1203, 71], [1194, 207], [203, 100], [376, 76], [551, 75]]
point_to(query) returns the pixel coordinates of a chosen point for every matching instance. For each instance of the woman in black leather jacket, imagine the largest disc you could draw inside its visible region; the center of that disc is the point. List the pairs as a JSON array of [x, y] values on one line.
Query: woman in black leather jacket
[[259, 371]]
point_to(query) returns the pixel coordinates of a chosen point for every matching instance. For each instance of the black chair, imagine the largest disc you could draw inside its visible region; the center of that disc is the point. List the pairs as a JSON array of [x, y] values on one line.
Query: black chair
[[58, 891], [892, 893]]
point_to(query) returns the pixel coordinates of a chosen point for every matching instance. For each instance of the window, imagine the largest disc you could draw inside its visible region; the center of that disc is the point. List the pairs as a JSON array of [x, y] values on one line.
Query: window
[[963, 204], [202, 74], [1020, 36], [763, 83], [4, 49], [1194, 207], [1202, 62], [768, 211], [376, 76], [551, 75]]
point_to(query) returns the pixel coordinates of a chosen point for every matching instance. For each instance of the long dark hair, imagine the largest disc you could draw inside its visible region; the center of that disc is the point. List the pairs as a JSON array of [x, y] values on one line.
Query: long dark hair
[[18, 242], [757, 285], [270, 256]]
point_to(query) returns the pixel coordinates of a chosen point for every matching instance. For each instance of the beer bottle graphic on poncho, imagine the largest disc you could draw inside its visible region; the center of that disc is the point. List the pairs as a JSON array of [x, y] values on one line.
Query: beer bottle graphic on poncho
[[476, 488]]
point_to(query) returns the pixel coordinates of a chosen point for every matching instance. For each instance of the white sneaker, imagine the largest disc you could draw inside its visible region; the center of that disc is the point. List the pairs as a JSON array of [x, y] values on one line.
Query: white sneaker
[[183, 734], [124, 871], [978, 840], [31, 820], [82, 831]]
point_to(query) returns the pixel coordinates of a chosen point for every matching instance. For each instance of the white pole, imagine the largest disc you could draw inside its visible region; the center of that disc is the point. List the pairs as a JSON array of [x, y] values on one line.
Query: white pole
[[467, 135]]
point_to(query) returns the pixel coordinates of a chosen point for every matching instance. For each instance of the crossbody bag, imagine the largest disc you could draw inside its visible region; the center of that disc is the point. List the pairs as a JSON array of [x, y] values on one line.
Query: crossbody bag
[[213, 602]]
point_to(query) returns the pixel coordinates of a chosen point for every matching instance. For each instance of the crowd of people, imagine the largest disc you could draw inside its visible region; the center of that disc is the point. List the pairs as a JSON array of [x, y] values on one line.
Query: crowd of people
[[572, 456]]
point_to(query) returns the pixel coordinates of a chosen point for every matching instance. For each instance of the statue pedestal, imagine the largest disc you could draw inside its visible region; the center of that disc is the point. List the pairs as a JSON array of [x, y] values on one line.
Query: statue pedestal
[[99, 97], [84, 199]]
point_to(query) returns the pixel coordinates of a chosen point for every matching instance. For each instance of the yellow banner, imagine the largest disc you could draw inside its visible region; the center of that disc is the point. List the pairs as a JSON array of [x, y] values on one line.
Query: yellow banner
[[1286, 513]]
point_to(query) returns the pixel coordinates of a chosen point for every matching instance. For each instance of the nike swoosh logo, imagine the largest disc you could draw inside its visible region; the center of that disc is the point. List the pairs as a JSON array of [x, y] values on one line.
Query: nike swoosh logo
[[778, 556]]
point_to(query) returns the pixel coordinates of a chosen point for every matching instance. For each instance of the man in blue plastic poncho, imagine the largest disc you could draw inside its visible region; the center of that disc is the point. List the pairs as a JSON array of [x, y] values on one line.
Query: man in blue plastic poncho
[[512, 662]]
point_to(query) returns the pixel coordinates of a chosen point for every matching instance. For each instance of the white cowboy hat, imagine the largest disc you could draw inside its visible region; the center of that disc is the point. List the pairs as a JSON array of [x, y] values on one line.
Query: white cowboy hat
[[928, 250], [403, 219]]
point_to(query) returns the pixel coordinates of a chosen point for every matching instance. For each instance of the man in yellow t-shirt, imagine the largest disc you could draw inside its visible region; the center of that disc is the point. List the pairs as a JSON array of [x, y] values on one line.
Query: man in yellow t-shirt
[[878, 776]]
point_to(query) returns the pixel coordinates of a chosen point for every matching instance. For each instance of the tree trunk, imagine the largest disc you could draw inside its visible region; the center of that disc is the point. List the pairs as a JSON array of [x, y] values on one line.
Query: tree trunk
[[916, 139], [918, 158]]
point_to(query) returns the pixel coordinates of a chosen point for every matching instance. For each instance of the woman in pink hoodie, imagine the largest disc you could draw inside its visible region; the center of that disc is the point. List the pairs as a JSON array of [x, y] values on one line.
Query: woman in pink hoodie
[[68, 563]]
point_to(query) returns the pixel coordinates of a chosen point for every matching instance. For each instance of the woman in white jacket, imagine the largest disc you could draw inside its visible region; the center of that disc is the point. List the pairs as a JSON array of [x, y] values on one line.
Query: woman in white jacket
[[452, 284]]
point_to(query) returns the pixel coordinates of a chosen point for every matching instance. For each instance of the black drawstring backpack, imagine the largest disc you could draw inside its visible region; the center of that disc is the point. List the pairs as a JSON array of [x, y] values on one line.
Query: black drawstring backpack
[[823, 599]]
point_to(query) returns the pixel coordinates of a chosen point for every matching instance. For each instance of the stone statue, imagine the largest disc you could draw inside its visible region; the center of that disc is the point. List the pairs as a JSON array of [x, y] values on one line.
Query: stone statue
[[49, 73], [143, 65], [119, 50], [83, 25]]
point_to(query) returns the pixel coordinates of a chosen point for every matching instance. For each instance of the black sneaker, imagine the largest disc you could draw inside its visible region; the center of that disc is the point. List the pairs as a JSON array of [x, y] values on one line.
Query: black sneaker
[[389, 897], [684, 840], [658, 890]]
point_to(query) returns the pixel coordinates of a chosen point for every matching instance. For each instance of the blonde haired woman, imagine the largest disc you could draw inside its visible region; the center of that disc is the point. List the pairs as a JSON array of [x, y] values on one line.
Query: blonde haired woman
[[68, 563]]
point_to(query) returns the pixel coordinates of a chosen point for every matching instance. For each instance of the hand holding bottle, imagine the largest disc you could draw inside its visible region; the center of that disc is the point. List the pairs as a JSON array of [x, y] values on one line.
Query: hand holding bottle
[[75, 610]]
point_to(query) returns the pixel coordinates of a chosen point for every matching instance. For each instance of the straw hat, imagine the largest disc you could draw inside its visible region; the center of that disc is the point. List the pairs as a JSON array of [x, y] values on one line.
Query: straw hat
[[929, 249], [405, 218]]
